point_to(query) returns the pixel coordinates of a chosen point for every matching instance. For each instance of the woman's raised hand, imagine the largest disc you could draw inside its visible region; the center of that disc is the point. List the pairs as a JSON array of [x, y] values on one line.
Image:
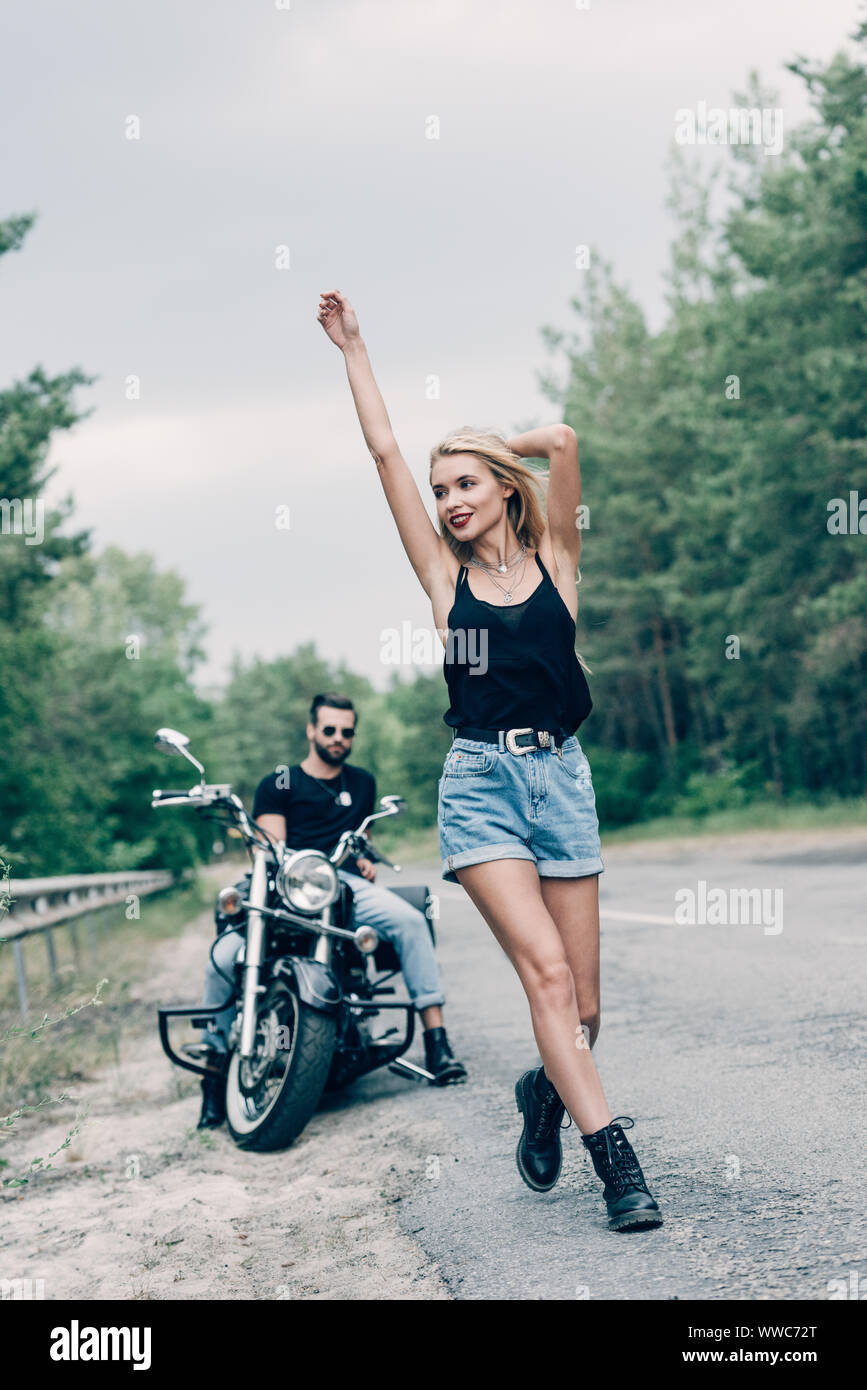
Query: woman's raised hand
[[337, 317]]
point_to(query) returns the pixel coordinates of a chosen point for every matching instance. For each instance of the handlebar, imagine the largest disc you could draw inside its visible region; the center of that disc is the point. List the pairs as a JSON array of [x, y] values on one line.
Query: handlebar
[[352, 842], [204, 794], [377, 856], [360, 846]]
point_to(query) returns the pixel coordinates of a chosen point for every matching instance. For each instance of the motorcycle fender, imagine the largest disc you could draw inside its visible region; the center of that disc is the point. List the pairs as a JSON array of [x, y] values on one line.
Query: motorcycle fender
[[315, 983]]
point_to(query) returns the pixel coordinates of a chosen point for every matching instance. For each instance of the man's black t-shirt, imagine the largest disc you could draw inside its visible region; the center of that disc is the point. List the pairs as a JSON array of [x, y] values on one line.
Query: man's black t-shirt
[[314, 820]]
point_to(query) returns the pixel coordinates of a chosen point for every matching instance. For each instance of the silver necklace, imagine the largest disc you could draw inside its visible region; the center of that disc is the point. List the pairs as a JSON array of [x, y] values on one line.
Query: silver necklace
[[515, 584], [504, 565], [342, 798]]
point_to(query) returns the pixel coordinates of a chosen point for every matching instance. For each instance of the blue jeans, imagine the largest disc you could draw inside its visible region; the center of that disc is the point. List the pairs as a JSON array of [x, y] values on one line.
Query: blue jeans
[[393, 918]]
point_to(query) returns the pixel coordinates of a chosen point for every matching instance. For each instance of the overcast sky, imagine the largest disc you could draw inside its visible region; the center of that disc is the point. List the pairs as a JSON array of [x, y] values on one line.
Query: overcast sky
[[304, 125]]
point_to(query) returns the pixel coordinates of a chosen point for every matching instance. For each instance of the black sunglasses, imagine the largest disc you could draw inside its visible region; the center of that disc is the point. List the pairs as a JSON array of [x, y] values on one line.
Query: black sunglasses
[[329, 729]]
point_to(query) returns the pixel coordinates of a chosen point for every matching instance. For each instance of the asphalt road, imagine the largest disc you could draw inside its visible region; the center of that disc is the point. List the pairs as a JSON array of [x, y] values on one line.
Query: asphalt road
[[734, 1048]]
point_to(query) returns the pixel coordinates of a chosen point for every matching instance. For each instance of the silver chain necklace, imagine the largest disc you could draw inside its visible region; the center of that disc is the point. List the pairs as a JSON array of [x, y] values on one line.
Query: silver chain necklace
[[504, 565], [342, 797], [502, 569], [520, 558]]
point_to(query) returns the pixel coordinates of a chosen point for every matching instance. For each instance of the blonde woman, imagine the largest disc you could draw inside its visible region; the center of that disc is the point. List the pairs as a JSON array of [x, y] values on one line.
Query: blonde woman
[[517, 813]]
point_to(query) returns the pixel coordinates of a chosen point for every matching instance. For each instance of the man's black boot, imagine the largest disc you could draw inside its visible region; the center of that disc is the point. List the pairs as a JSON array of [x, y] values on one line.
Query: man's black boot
[[213, 1102], [539, 1154], [630, 1205], [439, 1058]]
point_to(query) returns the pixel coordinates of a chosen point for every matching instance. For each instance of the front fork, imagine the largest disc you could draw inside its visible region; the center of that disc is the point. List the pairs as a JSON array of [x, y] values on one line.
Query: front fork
[[253, 954], [254, 951]]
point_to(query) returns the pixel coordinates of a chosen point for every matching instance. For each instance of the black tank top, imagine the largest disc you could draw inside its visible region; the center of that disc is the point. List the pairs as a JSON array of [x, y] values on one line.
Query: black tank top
[[533, 677]]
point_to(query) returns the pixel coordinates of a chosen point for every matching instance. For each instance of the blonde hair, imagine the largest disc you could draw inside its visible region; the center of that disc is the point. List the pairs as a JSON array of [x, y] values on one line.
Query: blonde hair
[[525, 507]]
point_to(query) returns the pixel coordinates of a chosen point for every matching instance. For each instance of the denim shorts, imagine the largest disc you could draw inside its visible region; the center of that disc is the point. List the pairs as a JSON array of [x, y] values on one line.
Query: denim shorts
[[494, 804]]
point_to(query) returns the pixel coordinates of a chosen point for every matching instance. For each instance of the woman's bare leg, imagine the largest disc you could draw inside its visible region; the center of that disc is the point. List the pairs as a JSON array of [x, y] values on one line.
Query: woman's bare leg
[[508, 895], [574, 906]]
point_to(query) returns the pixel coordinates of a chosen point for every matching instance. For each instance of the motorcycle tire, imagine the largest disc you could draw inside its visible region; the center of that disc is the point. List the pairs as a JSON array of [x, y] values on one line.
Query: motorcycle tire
[[281, 1118]]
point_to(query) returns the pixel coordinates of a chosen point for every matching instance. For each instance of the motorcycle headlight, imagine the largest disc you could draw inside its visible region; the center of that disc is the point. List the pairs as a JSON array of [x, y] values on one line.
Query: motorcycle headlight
[[307, 881]]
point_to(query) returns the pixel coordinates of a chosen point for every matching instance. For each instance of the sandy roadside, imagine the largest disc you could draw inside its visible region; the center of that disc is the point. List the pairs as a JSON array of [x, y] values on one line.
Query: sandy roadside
[[144, 1206]]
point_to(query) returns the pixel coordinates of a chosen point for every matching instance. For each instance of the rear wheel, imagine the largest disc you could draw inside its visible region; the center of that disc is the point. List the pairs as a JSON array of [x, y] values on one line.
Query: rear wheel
[[271, 1096]]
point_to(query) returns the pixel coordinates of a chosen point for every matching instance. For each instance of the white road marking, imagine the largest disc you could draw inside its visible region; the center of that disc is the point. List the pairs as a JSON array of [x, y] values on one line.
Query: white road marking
[[637, 917], [451, 893]]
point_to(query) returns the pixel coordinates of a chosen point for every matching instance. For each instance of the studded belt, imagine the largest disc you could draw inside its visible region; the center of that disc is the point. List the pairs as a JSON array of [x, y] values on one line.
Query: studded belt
[[516, 740]]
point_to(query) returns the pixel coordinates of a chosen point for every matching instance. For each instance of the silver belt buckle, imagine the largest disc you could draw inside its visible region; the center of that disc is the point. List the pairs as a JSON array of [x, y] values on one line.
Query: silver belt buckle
[[510, 741]]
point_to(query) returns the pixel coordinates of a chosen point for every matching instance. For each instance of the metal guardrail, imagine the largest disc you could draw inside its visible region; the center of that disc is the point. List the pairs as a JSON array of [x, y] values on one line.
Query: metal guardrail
[[41, 904]]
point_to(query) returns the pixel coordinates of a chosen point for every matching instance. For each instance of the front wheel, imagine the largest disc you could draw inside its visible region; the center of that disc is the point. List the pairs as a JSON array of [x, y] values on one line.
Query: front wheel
[[271, 1096]]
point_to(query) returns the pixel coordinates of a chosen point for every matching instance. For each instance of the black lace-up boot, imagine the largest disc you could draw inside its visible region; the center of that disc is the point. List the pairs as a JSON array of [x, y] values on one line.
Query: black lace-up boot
[[630, 1205], [440, 1059], [539, 1154]]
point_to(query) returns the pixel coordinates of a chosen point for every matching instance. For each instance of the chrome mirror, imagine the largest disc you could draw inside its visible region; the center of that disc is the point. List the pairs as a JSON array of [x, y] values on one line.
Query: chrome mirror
[[170, 741]]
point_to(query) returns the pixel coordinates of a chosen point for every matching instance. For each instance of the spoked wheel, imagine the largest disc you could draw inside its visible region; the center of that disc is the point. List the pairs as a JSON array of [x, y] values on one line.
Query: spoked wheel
[[271, 1095]]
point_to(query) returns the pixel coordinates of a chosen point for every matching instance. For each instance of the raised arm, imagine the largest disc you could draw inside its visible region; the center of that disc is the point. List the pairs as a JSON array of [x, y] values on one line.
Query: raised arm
[[421, 540], [559, 445]]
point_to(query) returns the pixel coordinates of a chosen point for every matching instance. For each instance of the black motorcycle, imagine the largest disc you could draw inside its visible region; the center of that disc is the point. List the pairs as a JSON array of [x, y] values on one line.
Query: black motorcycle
[[308, 989]]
